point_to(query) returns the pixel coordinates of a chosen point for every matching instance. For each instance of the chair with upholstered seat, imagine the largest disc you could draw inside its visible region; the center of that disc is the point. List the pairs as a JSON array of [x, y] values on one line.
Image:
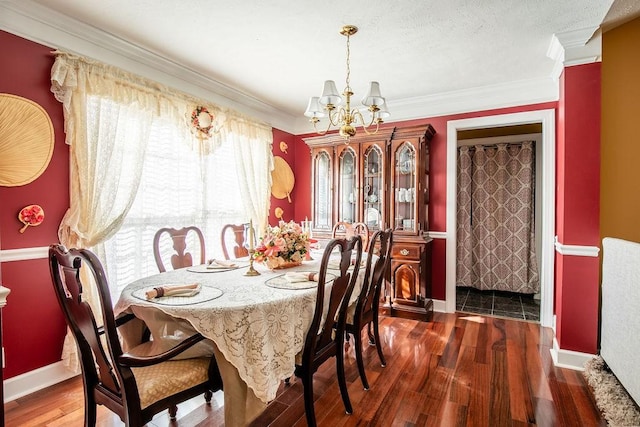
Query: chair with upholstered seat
[[348, 230], [134, 387], [179, 238], [365, 311], [239, 238], [325, 339]]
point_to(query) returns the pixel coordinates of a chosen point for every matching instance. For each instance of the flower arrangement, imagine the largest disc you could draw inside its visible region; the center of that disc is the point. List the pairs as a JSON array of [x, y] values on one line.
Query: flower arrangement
[[283, 245]]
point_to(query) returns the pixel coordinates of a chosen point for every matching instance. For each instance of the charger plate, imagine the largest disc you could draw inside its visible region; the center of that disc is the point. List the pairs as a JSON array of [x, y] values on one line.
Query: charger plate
[[281, 282], [203, 268], [207, 293]]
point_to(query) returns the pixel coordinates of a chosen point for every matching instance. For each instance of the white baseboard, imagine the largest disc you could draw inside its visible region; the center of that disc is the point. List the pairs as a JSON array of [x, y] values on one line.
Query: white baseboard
[[568, 358], [439, 306], [35, 380]]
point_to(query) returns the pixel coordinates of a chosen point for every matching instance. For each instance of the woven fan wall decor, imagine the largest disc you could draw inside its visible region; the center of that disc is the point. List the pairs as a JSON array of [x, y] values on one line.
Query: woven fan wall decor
[[282, 178], [26, 140]]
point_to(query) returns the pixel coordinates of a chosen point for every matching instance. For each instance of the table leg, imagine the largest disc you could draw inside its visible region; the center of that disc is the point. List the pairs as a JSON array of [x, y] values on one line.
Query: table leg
[[241, 405]]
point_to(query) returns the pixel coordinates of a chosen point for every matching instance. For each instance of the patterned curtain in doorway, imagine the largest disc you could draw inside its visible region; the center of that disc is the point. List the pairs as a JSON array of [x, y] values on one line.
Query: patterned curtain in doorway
[[496, 230]]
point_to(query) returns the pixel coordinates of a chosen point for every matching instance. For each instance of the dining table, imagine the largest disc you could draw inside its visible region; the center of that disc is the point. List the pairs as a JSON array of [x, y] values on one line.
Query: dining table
[[255, 325]]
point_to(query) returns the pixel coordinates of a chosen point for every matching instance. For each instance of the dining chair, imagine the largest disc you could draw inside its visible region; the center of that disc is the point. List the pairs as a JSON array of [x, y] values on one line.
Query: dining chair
[[134, 387], [365, 311], [349, 229], [326, 339], [239, 237], [181, 258]]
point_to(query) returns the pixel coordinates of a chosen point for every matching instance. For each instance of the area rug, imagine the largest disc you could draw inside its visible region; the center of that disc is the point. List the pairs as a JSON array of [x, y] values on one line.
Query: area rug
[[615, 403]]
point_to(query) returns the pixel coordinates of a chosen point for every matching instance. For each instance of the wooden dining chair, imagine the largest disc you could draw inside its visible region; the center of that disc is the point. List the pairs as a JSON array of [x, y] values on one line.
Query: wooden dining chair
[[238, 240], [365, 311], [134, 387], [325, 339], [181, 258], [350, 229]]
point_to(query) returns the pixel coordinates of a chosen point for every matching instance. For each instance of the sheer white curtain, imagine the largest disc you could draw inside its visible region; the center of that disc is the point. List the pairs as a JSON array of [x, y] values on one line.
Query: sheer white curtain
[[255, 162], [110, 118]]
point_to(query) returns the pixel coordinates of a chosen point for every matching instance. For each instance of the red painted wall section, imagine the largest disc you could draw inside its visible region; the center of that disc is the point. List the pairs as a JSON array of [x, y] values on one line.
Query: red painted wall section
[[32, 318], [560, 161], [284, 146], [577, 307], [581, 157], [578, 208], [437, 181]]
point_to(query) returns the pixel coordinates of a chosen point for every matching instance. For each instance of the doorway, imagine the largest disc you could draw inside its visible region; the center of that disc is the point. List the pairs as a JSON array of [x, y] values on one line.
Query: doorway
[[546, 119], [502, 286]]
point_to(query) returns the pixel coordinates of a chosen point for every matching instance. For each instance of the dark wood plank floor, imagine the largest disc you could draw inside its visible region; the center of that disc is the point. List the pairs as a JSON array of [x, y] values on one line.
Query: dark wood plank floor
[[459, 370]]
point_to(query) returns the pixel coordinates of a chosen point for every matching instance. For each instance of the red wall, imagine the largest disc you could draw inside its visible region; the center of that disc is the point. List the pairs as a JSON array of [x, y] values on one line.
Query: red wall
[[287, 208], [578, 208], [33, 326]]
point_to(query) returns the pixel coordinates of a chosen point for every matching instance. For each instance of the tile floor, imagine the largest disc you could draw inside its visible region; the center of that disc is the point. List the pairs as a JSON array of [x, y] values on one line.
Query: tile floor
[[498, 303]]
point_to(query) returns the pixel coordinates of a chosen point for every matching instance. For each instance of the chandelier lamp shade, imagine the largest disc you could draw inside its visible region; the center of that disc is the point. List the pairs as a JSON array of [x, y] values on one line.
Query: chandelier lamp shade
[[330, 103]]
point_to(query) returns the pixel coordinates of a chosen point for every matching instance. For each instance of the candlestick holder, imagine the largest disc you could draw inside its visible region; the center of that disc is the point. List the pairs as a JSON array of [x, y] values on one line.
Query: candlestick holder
[[251, 271]]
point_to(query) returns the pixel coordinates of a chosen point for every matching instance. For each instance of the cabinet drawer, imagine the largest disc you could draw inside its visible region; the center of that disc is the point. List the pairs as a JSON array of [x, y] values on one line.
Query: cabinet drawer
[[406, 251]]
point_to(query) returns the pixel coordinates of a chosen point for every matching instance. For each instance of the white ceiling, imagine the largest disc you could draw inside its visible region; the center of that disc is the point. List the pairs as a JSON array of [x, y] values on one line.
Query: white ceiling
[[267, 57]]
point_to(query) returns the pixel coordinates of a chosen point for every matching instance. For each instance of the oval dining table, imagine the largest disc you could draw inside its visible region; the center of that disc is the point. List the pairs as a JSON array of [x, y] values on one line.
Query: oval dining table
[[256, 324]]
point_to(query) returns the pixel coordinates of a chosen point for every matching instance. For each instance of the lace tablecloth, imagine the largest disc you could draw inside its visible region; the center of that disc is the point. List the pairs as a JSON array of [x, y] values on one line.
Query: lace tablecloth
[[259, 329]]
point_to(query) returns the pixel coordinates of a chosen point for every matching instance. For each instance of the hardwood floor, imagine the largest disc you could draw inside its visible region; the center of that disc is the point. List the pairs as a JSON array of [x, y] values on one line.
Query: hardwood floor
[[459, 370]]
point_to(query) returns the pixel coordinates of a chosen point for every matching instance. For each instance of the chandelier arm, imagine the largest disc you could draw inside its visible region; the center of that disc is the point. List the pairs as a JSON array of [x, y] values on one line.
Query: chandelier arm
[[335, 116], [358, 117]]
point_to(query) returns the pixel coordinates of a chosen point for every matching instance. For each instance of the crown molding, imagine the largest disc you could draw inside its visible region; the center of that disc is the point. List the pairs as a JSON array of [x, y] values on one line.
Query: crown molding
[[577, 47], [40, 24]]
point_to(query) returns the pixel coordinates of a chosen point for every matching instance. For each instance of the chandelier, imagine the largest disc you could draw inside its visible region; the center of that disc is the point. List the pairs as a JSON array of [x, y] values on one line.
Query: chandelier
[[330, 103]]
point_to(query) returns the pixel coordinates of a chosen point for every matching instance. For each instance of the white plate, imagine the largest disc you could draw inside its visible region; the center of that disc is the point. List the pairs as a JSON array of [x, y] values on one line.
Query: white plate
[[373, 216]]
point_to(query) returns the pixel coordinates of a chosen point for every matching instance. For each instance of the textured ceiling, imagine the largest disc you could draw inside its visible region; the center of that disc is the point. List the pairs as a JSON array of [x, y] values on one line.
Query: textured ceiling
[[279, 52]]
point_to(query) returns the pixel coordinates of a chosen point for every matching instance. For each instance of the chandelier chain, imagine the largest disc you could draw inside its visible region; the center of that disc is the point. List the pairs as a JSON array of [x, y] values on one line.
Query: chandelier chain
[[348, 80]]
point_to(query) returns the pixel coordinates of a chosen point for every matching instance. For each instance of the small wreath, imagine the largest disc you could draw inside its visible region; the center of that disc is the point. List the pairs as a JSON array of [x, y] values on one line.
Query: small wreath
[[202, 121]]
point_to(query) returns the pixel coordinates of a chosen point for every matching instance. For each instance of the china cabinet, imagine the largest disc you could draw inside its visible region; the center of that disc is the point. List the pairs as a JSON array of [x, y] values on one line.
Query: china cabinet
[[381, 180]]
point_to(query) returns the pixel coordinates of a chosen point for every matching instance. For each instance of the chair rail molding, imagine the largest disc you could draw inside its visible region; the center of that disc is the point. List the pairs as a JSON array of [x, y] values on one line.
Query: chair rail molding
[[24, 254], [576, 250]]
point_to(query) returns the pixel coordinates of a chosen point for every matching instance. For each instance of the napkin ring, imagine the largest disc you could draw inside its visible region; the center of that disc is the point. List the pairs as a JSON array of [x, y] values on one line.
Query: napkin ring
[[159, 291]]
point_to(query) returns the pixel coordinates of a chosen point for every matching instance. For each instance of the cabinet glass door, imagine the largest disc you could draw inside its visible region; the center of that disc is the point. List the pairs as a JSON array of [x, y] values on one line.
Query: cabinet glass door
[[373, 188], [347, 191], [404, 184], [322, 192]]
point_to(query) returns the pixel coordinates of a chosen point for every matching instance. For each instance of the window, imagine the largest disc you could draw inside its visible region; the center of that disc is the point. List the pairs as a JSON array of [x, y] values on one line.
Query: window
[[177, 188]]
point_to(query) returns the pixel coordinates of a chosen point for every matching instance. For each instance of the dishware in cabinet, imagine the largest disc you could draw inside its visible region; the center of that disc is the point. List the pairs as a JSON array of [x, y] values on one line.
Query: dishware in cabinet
[[410, 179], [348, 197], [373, 185]]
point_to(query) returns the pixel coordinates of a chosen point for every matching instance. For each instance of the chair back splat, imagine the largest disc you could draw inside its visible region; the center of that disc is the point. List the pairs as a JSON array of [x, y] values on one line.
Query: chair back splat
[[325, 337], [348, 230], [135, 388], [181, 258], [239, 239]]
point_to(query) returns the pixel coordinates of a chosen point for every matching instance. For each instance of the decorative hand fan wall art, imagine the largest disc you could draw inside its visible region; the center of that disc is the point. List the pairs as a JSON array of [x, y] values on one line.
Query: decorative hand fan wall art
[[282, 179], [26, 140]]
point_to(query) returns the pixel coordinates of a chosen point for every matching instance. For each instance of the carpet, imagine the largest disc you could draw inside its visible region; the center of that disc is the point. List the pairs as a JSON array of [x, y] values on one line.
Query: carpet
[[612, 399]]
